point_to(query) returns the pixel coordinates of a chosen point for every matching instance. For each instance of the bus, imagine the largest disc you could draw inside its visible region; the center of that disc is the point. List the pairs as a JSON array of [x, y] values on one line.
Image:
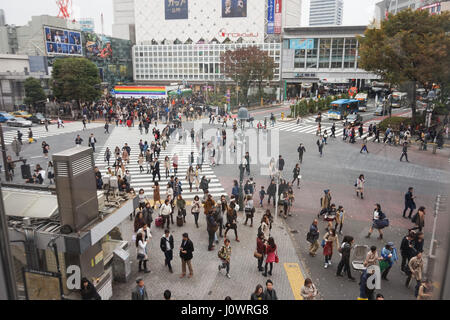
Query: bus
[[399, 99], [362, 98], [339, 109]]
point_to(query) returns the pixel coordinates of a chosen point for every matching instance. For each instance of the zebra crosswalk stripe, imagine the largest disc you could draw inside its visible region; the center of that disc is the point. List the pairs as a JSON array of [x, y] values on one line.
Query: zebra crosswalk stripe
[[40, 132], [139, 180]]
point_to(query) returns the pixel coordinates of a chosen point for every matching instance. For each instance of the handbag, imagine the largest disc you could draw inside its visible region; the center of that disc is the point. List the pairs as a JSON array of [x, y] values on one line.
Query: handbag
[[323, 243], [277, 259], [383, 265], [257, 255]]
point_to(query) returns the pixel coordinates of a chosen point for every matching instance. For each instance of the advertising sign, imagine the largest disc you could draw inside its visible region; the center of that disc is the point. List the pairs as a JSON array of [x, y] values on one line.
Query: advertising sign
[[62, 42], [298, 44], [98, 46], [176, 9], [278, 16], [234, 8], [151, 92], [270, 16]]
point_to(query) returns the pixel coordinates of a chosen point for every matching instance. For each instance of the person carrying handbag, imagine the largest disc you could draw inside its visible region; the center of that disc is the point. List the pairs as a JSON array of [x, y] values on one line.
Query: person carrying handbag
[[271, 256], [142, 257], [260, 250]]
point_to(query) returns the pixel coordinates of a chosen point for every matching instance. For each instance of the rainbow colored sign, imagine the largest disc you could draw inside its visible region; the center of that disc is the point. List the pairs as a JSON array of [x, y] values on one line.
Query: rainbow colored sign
[[140, 91]]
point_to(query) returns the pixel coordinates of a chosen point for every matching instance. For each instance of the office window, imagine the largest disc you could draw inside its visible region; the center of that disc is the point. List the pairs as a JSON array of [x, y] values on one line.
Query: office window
[[350, 53], [311, 60], [336, 54], [299, 58]]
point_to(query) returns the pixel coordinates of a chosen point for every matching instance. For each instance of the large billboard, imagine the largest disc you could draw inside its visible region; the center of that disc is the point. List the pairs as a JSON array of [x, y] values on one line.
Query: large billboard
[[62, 42], [176, 9], [301, 44], [278, 16], [234, 8], [151, 92], [98, 46], [270, 16]]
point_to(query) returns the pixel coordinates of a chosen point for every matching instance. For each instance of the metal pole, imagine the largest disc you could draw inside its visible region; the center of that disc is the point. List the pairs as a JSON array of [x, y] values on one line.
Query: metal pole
[[276, 194], [58, 267], [241, 191], [5, 161], [8, 289]]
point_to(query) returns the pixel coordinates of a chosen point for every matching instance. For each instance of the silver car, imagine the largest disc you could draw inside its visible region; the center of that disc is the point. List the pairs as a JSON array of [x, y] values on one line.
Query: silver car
[[19, 122]]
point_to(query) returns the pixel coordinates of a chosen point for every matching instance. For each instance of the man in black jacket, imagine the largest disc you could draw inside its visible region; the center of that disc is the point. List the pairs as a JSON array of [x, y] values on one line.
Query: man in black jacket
[[409, 202], [301, 149], [186, 249], [211, 227], [269, 293], [167, 246], [271, 191], [92, 142], [156, 170], [406, 249], [280, 163]]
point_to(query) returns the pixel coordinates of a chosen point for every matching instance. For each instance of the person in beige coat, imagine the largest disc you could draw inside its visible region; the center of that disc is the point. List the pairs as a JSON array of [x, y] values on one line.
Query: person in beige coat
[[372, 257], [309, 290], [415, 271]]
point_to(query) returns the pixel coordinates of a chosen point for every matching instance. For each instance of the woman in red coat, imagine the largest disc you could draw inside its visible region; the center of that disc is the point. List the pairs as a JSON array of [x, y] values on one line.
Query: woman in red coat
[[271, 253]]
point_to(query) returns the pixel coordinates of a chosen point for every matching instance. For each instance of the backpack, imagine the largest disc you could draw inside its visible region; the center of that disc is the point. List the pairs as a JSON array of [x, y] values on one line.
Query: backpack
[[414, 218], [260, 229], [221, 253]]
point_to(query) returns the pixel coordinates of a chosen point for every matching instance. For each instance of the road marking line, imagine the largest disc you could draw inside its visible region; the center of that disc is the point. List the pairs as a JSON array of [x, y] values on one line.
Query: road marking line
[[296, 279]]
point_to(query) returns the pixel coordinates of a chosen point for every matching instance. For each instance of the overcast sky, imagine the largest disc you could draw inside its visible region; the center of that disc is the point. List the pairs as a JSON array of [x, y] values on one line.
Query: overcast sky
[[19, 12]]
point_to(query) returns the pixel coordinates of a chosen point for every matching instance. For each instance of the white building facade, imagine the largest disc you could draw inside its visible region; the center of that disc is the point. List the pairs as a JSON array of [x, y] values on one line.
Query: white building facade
[[180, 40], [124, 16], [190, 62], [326, 12]]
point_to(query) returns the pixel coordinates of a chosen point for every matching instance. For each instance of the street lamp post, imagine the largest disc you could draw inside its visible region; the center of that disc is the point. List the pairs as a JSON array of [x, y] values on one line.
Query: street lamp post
[[242, 116]]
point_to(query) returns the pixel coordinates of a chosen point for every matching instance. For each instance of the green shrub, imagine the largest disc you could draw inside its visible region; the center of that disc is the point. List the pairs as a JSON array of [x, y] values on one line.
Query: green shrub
[[394, 123]]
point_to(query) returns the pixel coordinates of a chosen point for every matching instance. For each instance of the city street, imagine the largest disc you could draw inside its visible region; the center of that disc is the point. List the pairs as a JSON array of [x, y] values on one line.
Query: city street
[[386, 182]]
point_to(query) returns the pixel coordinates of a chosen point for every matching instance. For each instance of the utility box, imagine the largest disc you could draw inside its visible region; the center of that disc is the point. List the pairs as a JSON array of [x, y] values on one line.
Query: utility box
[[76, 187], [121, 265]]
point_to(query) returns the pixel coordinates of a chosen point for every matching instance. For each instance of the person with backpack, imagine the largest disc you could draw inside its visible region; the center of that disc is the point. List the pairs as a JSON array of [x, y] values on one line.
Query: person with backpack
[[301, 150], [296, 173], [312, 237], [406, 250], [377, 222], [320, 145], [225, 257]]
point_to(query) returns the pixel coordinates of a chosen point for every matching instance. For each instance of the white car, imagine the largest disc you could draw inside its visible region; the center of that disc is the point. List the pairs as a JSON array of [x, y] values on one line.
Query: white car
[[19, 122]]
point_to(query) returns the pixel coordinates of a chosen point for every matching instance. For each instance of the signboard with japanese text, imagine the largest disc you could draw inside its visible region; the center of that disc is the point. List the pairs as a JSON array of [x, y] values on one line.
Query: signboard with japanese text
[[176, 9]]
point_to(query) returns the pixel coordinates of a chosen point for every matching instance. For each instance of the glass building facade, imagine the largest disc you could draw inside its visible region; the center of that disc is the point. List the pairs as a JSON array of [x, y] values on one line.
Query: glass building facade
[[190, 62], [324, 53]]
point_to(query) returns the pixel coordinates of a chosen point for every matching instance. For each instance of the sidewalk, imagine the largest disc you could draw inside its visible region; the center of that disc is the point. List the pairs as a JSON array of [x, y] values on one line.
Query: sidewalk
[[208, 283]]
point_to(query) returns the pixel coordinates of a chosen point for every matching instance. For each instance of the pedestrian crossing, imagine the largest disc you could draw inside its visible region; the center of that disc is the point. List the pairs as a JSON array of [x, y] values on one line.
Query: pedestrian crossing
[[292, 126], [139, 180], [41, 133]]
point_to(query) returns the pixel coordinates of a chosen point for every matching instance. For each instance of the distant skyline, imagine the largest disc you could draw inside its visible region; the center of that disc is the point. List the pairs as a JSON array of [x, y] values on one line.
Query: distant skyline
[[356, 12]]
